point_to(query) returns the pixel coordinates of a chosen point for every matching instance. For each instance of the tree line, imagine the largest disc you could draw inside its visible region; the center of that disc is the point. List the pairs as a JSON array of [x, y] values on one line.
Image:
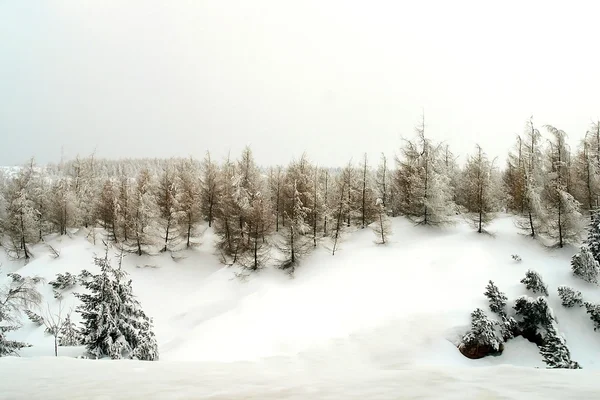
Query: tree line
[[149, 206]]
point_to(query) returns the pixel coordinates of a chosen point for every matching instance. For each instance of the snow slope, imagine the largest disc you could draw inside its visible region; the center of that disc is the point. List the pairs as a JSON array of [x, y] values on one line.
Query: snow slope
[[369, 314]]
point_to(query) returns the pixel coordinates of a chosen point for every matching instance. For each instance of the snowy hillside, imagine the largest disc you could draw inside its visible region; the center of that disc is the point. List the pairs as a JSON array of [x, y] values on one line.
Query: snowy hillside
[[369, 307]]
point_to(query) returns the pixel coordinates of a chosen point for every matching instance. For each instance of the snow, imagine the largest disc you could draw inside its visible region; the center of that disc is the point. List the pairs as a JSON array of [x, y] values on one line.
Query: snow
[[372, 321]]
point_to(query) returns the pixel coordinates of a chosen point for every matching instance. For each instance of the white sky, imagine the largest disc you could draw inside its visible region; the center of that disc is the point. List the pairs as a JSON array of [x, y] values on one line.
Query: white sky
[[335, 78]]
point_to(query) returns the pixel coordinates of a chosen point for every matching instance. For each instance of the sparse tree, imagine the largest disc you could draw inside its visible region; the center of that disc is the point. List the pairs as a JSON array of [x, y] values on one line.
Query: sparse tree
[[382, 228], [189, 198], [210, 189], [478, 189], [167, 202]]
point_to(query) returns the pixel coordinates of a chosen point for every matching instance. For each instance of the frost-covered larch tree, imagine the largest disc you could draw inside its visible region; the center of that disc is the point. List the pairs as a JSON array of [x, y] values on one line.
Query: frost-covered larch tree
[[143, 214], [533, 217], [295, 243], [167, 202], [188, 198], [275, 183], [425, 190], [63, 205], [564, 218], [107, 207], [210, 188], [113, 322], [478, 189], [228, 214], [586, 175], [368, 207], [382, 226], [21, 223], [382, 182]]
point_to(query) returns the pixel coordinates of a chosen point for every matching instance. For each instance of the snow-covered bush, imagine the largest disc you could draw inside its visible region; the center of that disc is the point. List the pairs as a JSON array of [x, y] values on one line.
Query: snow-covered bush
[[555, 352], [516, 257], [114, 325], [496, 298], [570, 297], [585, 266], [533, 316], [64, 281], [594, 311], [533, 281], [508, 327], [483, 332]]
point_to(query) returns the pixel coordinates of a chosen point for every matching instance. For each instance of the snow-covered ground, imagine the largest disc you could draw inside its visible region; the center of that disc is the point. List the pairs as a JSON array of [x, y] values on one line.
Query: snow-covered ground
[[370, 322]]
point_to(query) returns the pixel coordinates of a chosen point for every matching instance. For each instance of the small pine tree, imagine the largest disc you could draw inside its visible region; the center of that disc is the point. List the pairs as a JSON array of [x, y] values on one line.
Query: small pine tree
[[496, 298], [593, 239], [483, 332], [555, 352], [69, 334], [594, 311], [63, 281], [114, 324], [382, 227], [570, 297], [585, 266], [534, 316], [533, 281]]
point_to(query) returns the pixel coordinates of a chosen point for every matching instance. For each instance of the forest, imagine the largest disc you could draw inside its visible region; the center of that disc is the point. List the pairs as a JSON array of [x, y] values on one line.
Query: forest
[[147, 206]]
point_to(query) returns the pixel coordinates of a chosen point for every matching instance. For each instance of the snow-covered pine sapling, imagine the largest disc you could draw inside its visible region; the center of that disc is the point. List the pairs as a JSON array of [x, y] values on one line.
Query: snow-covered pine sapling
[[555, 352], [533, 281], [69, 334], [496, 298], [516, 257], [570, 297], [585, 266], [63, 281], [533, 316], [483, 332], [594, 311], [508, 327]]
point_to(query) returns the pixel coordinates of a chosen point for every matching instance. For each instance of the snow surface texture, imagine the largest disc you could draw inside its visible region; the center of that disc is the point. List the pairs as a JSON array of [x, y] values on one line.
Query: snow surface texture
[[371, 322]]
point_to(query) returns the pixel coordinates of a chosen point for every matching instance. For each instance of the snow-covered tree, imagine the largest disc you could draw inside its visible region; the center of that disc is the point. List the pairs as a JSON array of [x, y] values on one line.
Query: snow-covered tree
[[533, 281], [259, 220], [341, 206], [496, 298], [295, 243], [84, 180], [69, 334], [585, 266], [21, 223], [586, 175], [425, 190], [534, 316], [555, 352], [368, 207], [275, 183], [107, 207], [479, 197], [513, 178], [483, 332], [210, 188], [593, 238], [529, 169], [18, 295], [228, 216], [382, 182], [143, 214], [113, 323], [564, 218], [570, 297], [594, 311], [382, 226], [63, 207], [167, 202], [189, 198]]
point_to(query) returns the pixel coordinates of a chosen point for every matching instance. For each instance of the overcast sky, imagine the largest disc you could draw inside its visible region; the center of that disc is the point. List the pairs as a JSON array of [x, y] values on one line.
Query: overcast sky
[[332, 78]]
